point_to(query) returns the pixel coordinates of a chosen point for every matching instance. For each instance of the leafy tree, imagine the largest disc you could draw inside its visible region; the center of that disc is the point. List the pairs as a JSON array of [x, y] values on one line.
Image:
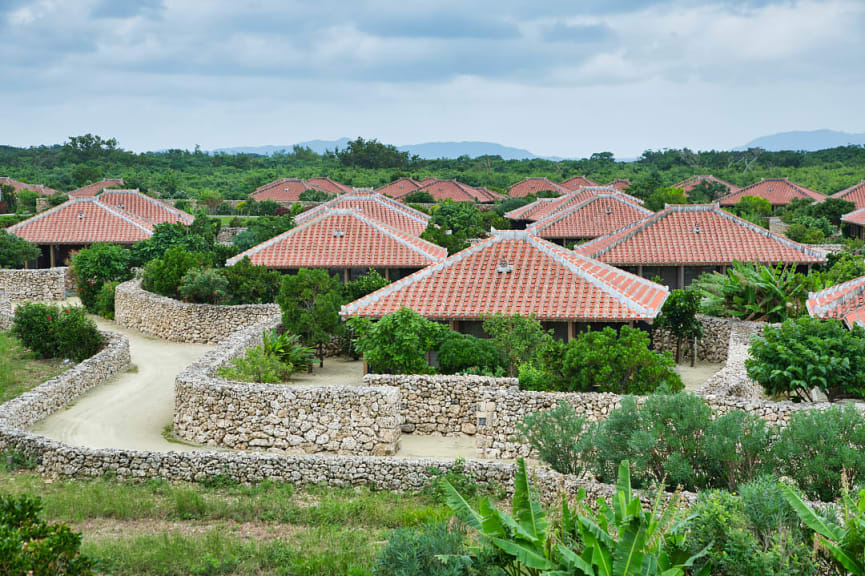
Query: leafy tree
[[9, 197], [452, 224], [315, 196], [461, 353], [398, 343], [750, 291], [204, 286], [832, 209], [363, 285], [84, 174], [310, 302], [95, 266], [57, 199], [663, 196], [707, 191], [373, 154], [519, 339], [749, 207], [262, 229], [419, 197], [164, 275], [26, 201], [251, 284], [210, 198], [15, 251], [679, 316], [809, 353], [646, 184]]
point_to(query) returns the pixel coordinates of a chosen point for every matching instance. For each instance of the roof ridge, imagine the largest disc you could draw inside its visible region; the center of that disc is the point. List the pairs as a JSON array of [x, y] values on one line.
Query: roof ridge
[[840, 301], [561, 213], [154, 201], [125, 215], [44, 213]]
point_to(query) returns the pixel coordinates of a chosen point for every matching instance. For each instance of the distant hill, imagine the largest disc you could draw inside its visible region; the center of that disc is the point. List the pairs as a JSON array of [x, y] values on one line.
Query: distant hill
[[806, 140], [426, 150]]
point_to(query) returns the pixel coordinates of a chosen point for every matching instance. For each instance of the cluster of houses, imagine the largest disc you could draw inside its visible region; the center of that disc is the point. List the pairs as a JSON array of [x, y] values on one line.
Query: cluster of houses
[[588, 257]]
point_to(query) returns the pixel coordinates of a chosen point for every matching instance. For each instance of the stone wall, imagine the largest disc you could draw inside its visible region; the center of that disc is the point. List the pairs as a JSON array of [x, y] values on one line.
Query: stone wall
[[440, 404], [226, 234], [177, 321], [40, 284], [712, 347], [208, 409], [732, 380], [6, 314]]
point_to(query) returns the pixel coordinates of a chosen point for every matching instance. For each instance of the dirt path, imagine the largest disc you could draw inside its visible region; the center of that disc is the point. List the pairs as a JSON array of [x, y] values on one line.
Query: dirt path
[[103, 528], [131, 411]]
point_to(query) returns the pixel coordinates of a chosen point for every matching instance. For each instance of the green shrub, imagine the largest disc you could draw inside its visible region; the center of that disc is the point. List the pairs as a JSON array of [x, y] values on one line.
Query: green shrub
[[560, 436], [419, 197], [15, 252], [256, 366], [533, 378], [750, 291], [289, 349], [736, 446], [366, 284], [315, 196], [809, 353], [251, 284], [310, 301], [768, 510], [182, 204], [264, 228], [398, 343], [459, 353], [817, 446], [96, 265], [799, 232], [104, 305], [163, 275], [31, 546], [204, 286], [55, 332], [679, 317], [519, 339], [34, 327], [420, 552]]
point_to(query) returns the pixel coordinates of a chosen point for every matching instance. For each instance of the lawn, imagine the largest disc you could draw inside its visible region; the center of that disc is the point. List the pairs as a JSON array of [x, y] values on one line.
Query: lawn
[[20, 370], [164, 528]]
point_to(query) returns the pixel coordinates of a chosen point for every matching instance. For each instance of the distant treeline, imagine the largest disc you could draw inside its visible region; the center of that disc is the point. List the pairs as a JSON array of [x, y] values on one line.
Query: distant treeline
[[369, 163]]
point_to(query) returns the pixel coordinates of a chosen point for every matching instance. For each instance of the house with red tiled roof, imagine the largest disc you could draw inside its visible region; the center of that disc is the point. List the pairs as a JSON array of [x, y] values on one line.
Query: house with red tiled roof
[[845, 301], [399, 187], [143, 206], [456, 191], [288, 190], [328, 185], [544, 207], [347, 243], [577, 182], [596, 215], [683, 241], [854, 194], [620, 184], [95, 188], [855, 223], [18, 186], [778, 191], [78, 223], [515, 272], [689, 184], [531, 187], [376, 207], [427, 180]]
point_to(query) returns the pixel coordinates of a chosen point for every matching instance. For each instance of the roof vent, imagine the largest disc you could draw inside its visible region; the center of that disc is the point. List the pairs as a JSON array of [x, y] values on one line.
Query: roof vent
[[121, 206], [81, 215], [503, 267], [770, 188], [608, 210], [697, 229], [338, 233]]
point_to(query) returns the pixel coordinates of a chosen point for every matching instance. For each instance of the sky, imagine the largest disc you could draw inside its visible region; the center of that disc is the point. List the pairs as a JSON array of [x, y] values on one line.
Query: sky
[[559, 78]]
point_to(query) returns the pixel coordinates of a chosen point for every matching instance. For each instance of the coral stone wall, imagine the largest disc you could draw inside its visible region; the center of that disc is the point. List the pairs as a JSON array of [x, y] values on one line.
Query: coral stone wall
[[712, 347], [440, 404], [177, 321], [6, 316], [226, 234], [40, 284], [210, 410]]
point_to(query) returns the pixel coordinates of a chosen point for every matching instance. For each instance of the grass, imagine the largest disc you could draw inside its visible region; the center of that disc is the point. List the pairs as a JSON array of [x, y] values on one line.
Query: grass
[[20, 370]]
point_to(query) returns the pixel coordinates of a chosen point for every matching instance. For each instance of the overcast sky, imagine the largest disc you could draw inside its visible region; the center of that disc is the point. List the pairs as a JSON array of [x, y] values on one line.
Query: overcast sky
[[563, 77]]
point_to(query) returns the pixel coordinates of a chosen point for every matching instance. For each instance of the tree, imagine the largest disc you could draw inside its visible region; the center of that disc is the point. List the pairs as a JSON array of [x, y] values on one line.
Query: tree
[[679, 316], [520, 339], [96, 265], [373, 154], [315, 196], [15, 251], [753, 206], [310, 302], [398, 343], [210, 198], [659, 198], [707, 191], [366, 284], [264, 228], [9, 197], [419, 197], [453, 223], [832, 209]]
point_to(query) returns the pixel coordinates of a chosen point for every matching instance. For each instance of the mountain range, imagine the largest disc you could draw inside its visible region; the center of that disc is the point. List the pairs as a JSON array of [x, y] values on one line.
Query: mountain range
[[809, 140]]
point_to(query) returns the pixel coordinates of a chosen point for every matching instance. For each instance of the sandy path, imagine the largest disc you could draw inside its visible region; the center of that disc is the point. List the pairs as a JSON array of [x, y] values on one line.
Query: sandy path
[[132, 410]]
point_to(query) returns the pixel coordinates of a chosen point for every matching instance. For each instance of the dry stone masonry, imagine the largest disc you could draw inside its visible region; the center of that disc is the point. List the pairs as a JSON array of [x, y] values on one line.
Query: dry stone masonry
[[712, 347], [41, 284], [177, 321]]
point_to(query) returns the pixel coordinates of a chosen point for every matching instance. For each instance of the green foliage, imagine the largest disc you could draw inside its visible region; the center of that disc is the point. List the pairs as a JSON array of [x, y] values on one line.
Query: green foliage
[[419, 197], [200, 236], [750, 291], [519, 339], [679, 316], [104, 305], [753, 206], [262, 229], [398, 343], [288, 348], [363, 285], [736, 447], [256, 366], [373, 154], [707, 191], [310, 302], [431, 550], [56, 332], [453, 223], [456, 476], [57, 199], [314, 195], [818, 446], [461, 353], [164, 275], [26, 201], [15, 252], [842, 266], [31, 546], [560, 436], [96, 265], [182, 204], [203, 286], [808, 353], [659, 198], [800, 232], [251, 284]]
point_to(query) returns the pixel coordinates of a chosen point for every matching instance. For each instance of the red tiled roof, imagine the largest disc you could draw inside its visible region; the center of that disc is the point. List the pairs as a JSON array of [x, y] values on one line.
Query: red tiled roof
[[376, 207], [855, 194], [845, 301], [696, 234], [143, 206], [328, 185], [778, 191], [18, 186], [290, 189], [577, 182], [91, 190], [620, 184], [343, 239], [545, 207], [531, 187], [83, 221], [454, 190], [855, 217], [427, 180], [399, 187], [689, 184], [515, 272], [597, 215]]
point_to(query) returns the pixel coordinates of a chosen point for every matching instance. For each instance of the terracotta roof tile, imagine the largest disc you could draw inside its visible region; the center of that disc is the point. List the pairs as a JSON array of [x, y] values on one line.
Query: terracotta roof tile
[[778, 191], [845, 301], [376, 207], [696, 234], [515, 272], [455, 190], [531, 187], [91, 190], [328, 185], [290, 189], [577, 182], [143, 206], [545, 207], [343, 239], [689, 184], [855, 217], [83, 221], [597, 215], [855, 194], [620, 184], [399, 187], [18, 186]]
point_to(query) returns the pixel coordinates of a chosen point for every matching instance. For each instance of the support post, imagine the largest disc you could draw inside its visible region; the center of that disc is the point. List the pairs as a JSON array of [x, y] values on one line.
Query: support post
[[681, 277], [51, 254]]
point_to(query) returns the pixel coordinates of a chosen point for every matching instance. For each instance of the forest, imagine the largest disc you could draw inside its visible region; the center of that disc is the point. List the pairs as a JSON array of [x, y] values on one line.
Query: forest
[[369, 163]]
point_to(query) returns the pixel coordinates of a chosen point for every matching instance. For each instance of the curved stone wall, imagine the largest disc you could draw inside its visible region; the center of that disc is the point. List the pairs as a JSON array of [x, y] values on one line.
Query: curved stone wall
[[38, 284], [177, 321], [712, 347]]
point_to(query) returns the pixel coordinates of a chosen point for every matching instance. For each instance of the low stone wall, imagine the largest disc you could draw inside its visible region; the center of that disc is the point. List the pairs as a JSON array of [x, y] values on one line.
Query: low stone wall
[[712, 347], [732, 380], [440, 404], [208, 409], [178, 321], [226, 234], [38, 284], [6, 314]]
